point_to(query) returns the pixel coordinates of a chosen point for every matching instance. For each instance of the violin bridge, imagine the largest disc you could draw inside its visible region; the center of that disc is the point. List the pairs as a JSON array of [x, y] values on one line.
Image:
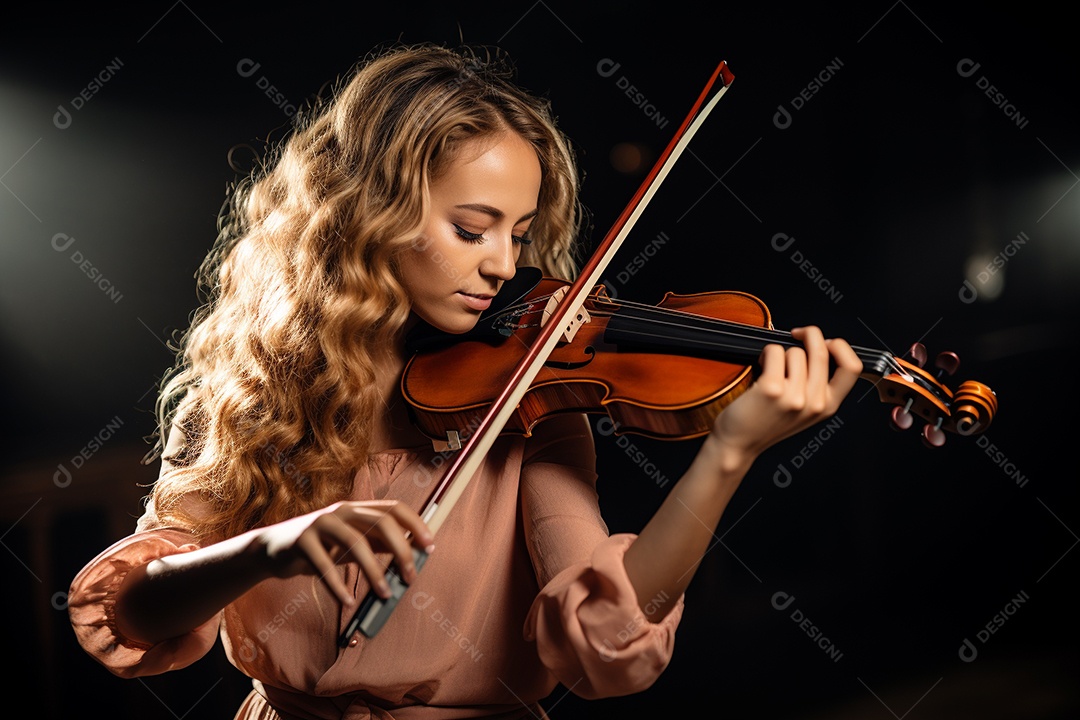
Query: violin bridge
[[452, 442], [572, 325]]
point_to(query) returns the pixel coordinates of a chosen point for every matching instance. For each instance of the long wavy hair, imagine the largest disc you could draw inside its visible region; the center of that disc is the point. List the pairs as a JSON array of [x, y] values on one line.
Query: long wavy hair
[[273, 384]]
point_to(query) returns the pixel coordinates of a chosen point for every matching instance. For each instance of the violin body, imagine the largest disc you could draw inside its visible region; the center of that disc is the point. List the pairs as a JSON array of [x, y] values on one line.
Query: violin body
[[664, 396]]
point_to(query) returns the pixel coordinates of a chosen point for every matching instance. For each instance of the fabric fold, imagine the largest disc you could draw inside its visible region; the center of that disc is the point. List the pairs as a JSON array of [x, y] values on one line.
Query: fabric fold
[[92, 608], [590, 632]]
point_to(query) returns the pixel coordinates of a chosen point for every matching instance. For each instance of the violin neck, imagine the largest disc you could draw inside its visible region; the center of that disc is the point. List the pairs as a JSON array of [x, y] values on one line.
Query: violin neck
[[650, 329]]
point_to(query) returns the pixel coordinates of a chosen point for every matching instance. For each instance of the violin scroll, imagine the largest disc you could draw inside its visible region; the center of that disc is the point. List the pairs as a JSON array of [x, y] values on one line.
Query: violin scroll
[[914, 392], [976, 405]]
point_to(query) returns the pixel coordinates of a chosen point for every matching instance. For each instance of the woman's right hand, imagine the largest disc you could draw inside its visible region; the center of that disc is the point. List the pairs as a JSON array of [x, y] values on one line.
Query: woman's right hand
[[315, 543]]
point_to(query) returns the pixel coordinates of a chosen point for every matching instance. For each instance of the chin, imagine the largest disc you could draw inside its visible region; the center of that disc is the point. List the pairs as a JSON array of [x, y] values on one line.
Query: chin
[[452, 323]]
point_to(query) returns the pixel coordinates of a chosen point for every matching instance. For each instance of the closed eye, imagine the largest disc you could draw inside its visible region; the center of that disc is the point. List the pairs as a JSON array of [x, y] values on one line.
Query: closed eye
[[464, 234]]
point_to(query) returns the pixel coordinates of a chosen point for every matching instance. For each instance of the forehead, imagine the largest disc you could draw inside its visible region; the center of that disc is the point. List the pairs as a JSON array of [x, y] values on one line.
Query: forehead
[[501, 167]]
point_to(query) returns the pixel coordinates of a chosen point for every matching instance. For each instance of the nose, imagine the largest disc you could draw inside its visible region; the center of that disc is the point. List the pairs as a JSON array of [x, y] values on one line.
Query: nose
[[501, 260]]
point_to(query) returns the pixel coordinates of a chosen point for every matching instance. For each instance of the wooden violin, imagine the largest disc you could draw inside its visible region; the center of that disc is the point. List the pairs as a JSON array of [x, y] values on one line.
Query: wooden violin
[[664, 371]]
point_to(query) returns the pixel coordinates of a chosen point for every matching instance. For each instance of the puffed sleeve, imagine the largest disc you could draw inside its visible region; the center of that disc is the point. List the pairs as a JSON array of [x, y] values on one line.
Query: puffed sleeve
[[92, 599], [92, 608], [586, 622]]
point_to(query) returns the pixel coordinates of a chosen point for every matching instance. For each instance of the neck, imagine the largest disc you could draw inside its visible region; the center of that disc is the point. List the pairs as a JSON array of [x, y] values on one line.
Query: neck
[[647, 328]]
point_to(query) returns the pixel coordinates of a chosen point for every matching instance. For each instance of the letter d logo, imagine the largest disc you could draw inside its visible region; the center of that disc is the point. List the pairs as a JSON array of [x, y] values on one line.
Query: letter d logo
[[967, 67], [607, 67], [248, 651], [781, 478], [62, 118], [781, 241], [62, 477], [247, 67], [782, 118], [781, 600], [968, 293], [422, 600]]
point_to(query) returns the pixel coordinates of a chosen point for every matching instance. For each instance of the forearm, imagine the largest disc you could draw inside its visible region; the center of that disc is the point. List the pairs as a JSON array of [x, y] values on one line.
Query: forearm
[[173, 595], [665, 556]]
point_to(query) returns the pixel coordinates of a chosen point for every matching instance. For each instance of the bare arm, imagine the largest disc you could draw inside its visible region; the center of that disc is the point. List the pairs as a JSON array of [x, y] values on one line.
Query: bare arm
[[793, 392], [173, 595]]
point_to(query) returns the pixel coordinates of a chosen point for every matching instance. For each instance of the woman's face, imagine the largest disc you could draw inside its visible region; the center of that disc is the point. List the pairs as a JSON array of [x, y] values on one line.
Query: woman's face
[[481, 208]]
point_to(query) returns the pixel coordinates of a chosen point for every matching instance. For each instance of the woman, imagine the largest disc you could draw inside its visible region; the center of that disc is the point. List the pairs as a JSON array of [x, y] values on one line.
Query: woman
[[291, 475]]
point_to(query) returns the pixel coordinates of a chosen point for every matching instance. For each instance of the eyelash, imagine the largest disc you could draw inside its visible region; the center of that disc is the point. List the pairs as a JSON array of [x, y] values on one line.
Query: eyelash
[[478, 237]]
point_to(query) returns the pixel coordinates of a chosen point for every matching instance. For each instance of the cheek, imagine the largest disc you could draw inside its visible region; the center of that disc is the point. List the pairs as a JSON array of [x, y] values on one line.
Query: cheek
[[429, 269], [413, 268]]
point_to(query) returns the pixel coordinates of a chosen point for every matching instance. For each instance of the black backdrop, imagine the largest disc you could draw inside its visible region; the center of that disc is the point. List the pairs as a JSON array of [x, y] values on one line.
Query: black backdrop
[[861, 174]]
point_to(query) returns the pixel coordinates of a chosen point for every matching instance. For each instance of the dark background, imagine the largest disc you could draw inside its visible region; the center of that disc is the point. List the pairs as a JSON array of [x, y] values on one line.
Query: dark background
[[899, 179]]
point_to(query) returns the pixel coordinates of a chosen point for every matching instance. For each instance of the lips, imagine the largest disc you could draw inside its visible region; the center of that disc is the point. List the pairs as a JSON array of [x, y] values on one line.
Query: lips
[[478, 302]]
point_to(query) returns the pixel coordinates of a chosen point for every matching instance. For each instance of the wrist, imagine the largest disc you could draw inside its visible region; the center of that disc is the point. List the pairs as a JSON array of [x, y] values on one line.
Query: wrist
[[254, 554], [724, 459]]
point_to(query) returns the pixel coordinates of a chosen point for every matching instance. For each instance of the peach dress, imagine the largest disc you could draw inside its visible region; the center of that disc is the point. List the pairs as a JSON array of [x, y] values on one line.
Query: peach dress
[[524, 590]]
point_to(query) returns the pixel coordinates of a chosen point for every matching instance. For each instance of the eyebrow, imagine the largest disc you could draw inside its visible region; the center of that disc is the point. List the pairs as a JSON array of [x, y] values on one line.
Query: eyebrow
[[494, 211]]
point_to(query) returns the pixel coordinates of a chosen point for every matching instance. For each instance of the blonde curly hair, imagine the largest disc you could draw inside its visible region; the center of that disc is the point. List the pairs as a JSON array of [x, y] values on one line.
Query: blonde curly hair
[[273, 384]]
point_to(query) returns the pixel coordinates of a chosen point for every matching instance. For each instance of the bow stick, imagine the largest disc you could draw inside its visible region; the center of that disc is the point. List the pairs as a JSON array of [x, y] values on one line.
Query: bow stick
[[374, 610]]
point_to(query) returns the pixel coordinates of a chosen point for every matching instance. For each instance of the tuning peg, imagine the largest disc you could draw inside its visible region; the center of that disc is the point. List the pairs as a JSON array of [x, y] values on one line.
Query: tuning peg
[[933, 435], [918, 354], [901, 417], [946, 363]]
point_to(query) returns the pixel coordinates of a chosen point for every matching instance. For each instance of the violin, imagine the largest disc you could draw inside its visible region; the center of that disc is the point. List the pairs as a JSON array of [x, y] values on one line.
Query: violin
[[663, 371]]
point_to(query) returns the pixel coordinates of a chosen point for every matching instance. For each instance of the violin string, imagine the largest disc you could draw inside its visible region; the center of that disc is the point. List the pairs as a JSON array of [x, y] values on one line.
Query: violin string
[[759, 333], [701, 322], [742, 331], [525, 306], [869, 356]]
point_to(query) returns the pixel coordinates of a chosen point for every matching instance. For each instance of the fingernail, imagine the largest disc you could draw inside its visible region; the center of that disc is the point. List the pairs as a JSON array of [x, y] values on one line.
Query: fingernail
[[430, 548]]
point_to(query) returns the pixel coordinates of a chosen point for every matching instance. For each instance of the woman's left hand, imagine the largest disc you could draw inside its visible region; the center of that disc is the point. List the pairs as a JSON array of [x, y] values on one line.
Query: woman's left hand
[[792, 392]]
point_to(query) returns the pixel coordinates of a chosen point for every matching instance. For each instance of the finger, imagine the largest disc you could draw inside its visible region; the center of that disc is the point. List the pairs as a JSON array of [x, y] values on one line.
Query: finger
[[817, 371], [773, 368], [356, 546], [316, 554], [422, 537], [796, 364], [796, 373], [845, 356], [378, 522], [387, 528], [848, 367]]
